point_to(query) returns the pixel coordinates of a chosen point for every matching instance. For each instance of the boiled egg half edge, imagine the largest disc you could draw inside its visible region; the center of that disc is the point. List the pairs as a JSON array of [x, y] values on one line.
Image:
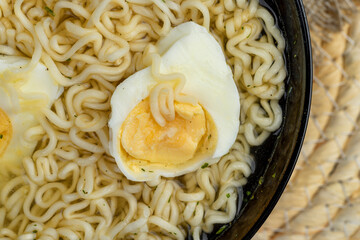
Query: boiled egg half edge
[[23, 96], [200, 131]]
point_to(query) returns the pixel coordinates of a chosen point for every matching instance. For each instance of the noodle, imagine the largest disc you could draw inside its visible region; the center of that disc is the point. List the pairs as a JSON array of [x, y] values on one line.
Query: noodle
[[71, 188], [163, 95]]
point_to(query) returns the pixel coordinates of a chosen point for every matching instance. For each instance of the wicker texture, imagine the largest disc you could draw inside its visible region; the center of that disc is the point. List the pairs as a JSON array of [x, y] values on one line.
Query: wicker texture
[[322, 200]]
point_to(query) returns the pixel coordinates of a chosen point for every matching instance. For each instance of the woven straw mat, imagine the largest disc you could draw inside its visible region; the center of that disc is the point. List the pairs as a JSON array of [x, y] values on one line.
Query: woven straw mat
[[322, 199]]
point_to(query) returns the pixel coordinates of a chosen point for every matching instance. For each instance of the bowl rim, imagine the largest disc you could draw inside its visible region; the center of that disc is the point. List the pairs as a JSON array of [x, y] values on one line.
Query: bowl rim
[[303, 125]]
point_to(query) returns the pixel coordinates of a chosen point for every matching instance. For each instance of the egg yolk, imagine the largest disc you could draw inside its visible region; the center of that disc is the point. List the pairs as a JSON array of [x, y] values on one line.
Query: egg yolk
[[175, 143], [5, 131]]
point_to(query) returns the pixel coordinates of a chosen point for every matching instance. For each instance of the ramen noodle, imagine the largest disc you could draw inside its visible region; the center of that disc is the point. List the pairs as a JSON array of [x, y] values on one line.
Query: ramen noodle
[[70, 187]]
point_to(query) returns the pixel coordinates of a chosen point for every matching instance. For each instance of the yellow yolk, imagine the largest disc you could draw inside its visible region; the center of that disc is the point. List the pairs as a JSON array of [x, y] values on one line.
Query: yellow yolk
[[5, 131], [175, 143]]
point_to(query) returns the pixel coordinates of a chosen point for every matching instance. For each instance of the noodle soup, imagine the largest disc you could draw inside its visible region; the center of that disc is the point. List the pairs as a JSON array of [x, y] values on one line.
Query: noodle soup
[[61, 64]]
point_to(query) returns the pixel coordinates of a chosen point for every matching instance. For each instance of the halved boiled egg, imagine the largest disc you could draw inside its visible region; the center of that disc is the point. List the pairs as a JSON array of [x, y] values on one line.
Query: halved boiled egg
[[23, 95], [179, 114]]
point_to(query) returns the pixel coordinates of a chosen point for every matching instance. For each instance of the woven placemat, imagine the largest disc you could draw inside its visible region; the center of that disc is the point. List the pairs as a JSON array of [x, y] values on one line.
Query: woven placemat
[[322, 200]]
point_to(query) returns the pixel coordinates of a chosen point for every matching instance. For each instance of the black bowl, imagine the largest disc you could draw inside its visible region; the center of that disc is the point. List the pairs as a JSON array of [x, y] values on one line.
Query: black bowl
[[276, 158]]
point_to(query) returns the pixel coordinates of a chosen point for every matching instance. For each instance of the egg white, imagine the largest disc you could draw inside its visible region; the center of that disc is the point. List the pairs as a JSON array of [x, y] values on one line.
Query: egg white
[[22, 97], [188, 49]]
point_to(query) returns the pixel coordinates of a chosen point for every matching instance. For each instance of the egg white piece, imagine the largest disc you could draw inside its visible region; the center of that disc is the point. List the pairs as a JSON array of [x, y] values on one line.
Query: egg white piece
[[190, 50], [23, 95]]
